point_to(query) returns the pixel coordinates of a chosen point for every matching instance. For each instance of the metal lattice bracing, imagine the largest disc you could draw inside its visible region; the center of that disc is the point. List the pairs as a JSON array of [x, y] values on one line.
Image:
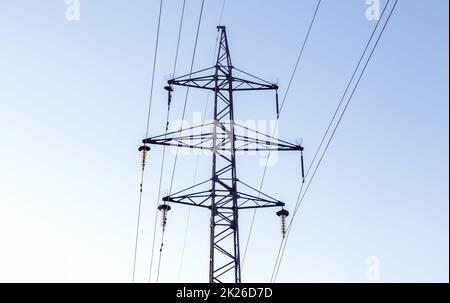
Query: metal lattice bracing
[[224, 194]]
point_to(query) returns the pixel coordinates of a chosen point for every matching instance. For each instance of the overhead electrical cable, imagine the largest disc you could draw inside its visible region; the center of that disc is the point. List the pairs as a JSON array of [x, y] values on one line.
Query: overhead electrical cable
[[301, 195], [146, 132], [182, 119], [180, 27], [300, 55]]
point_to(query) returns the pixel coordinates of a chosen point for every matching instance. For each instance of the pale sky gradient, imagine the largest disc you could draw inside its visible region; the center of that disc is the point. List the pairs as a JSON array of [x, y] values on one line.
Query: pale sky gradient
[[73, 101]]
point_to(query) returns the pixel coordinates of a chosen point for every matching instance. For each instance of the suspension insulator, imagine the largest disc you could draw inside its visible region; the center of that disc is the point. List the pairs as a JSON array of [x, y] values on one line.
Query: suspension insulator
[[144, 149], [303, 169], [283, 214], [278, 108], [164, 209], [168, 88]]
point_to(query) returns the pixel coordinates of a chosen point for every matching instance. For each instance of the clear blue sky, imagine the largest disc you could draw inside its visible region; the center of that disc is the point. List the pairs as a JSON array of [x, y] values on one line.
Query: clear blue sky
[[73, 101]]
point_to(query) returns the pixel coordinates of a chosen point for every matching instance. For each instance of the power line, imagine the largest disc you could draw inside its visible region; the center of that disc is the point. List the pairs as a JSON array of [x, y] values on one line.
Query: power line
[[300, 54], [299, 200], [166, 130], [221, 12], [147, 128], [346, 89], [180, 27], [300, 196], [276, 123], [345, 108], [182, 119], [187, 91]]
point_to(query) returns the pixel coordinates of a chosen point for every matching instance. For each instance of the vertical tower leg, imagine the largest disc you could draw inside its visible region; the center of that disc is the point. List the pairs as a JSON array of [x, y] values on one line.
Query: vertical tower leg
[[224, 242]]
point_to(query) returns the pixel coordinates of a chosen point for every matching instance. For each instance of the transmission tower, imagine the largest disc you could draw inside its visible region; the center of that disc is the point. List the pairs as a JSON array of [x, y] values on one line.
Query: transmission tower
[[224, 195]]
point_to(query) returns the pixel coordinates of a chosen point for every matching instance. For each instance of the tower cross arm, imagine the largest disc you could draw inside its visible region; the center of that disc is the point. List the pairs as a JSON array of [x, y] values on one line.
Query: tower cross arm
[[245, 139], [200, 194], [206, 79]]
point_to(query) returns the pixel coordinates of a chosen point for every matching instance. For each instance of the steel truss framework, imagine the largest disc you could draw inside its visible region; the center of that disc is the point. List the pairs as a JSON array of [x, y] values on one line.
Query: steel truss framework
[[224, 138]]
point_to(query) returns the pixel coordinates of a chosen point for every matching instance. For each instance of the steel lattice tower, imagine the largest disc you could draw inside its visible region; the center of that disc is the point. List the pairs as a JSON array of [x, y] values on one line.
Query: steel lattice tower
[[224, 137]]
